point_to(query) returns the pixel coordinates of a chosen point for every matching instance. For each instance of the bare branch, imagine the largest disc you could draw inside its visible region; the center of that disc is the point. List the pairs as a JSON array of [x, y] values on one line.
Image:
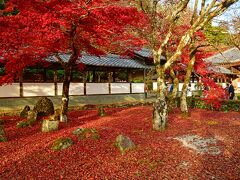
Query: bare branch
[[194, 11], [59, 59]]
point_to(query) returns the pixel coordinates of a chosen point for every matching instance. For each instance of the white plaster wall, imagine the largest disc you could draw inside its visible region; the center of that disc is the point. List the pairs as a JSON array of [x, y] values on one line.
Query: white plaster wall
[[75, 89], [193, 86], [38, 89], [11, 90], [180, 86], [224, 85], [137, 87], [97, 88], [118, 88], [154, 86], [59, 88]]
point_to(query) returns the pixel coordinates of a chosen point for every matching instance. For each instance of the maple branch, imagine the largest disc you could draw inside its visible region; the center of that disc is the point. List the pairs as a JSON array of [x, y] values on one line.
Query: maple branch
[[202, 7], [194, 11], [173, 20], [59, 59]]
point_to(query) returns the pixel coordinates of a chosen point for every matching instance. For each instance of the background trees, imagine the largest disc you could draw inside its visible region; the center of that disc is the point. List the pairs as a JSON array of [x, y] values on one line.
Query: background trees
[[168, 15]]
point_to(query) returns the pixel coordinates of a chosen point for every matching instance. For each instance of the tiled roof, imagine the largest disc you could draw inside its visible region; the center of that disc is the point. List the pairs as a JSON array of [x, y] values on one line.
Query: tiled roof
[[219, 69], [106, 61], [146, 53], [228, 56]]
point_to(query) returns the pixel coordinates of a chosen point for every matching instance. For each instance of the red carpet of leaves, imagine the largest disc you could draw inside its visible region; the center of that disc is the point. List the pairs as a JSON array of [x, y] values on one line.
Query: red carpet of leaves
[[27, 154]]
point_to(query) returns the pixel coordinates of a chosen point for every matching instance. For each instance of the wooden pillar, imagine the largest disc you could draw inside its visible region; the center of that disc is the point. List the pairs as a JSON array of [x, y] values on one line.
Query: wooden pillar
[[94, 76], [21, 83], [114, 76], [145, 85], [129, 73], [55, 82], [44, 75], [85, 81], [110, 80]]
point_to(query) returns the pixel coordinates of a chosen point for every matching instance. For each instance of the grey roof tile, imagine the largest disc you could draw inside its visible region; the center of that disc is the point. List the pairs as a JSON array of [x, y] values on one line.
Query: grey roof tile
[[219, 69], [147, 53], [230, 55], [105, 61]]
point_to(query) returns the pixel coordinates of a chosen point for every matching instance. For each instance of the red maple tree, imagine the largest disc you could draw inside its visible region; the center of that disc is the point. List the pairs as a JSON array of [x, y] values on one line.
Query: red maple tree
[[39, 29]]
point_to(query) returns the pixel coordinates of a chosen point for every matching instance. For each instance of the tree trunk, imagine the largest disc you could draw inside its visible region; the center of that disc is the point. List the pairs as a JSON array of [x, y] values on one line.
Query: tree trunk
[[65, 92], [160, 108], [173, 96], [183, 99]]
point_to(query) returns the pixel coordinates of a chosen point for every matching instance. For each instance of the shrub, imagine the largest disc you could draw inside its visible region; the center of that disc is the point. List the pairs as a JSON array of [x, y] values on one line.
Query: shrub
[[22, 124], [224, 105], [101, 111]]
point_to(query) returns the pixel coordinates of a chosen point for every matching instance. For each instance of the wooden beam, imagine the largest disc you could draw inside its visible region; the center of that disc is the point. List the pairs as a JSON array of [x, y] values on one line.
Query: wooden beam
[[21, 83], [55, 82]]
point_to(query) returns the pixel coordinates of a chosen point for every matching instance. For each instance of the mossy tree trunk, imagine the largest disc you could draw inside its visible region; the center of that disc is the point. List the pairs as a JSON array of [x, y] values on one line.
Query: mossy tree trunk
[[65, 92], [160, 108], [173, 96], [183, 98]]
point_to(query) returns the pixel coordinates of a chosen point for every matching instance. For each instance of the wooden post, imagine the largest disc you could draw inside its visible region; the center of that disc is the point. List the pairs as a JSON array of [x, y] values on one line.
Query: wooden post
[[21, 83], [129, 73], [94, 76], [44, 75], [84, 82], [114, 76], [145, 85], [55, 82]]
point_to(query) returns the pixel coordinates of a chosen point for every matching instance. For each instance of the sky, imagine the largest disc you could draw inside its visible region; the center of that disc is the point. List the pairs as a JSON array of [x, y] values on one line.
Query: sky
[[233, 10]]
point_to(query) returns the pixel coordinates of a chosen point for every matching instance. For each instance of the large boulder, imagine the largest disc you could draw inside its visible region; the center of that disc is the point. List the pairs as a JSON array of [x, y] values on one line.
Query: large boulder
[[2, 134], [61, 143], [124, 143], [24, 112], [44, 107], [49, 125]]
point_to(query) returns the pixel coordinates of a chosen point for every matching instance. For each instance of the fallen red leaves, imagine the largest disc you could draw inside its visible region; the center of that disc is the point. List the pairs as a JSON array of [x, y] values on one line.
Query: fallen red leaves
[[27, 154]]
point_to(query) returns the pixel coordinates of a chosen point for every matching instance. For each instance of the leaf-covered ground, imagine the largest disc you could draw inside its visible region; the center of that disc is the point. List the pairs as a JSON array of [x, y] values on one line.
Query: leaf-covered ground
[[158, 155]]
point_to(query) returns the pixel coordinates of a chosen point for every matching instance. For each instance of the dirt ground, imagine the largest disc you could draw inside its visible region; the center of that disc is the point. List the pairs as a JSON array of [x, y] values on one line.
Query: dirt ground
[[205, 145]]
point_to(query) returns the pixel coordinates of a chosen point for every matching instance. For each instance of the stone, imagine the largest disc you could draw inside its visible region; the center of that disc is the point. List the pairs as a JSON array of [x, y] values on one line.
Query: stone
[[2, 134], [49, 125], [61, 143], [83, 133], [24, 112], [124, 143], [78, 131], [44, 107], [56, 115], [63, 118], [31, 117]]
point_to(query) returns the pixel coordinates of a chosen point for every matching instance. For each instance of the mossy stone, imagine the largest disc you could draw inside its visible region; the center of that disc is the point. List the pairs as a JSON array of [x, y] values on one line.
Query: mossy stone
[[49, 125], [124, 143], [83, 133], [61, 143], [2, 134], [22, 124], [44, 107], [24, 112]]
